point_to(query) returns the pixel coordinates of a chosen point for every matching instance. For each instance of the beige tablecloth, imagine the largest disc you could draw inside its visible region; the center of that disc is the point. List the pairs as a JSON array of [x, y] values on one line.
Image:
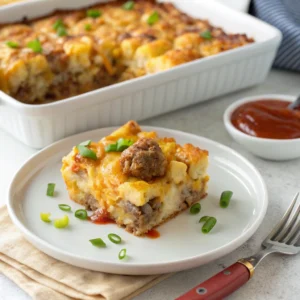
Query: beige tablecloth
[[44, 277]]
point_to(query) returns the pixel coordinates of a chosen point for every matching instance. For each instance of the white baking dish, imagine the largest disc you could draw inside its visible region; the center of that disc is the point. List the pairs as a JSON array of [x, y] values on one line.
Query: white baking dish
[[144, 97]]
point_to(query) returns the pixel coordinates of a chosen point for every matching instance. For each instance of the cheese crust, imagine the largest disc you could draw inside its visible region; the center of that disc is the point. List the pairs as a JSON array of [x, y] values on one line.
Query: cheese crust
[[134, 203], [96, 52]]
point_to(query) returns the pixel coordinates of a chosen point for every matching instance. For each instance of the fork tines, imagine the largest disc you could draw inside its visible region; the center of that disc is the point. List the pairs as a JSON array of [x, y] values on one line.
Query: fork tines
[[288, 229]]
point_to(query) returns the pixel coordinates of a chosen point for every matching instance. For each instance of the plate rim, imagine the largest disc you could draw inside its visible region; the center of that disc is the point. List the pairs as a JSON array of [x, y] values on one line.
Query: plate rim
[[132, 268]]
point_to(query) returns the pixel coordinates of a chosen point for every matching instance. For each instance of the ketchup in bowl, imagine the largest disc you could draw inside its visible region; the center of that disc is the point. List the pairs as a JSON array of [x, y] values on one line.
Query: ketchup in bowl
[[267, 119]]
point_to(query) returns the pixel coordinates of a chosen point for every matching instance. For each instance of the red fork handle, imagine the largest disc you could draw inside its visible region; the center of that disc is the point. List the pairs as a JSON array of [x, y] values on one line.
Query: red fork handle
[[222, 284]]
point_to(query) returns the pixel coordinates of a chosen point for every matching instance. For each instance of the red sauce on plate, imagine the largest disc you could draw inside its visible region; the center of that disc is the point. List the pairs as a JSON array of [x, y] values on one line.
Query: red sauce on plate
[[101, 217], [267, 119], [153, 234]]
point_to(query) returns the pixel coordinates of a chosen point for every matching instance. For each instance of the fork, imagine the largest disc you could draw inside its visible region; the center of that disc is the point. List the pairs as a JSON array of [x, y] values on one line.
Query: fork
[[284, 239]]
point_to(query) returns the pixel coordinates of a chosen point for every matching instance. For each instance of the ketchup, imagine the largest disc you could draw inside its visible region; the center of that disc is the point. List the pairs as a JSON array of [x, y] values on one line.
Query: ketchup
[[153, 234], [267, 119], [101, 217]]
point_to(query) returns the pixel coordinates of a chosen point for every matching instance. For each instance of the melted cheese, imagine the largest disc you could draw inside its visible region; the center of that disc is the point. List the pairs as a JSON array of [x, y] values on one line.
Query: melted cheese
[[139, 192], [105, 181]]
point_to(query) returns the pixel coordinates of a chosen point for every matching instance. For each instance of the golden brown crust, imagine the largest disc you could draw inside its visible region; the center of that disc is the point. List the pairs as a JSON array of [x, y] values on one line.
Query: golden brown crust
[[99, 51]]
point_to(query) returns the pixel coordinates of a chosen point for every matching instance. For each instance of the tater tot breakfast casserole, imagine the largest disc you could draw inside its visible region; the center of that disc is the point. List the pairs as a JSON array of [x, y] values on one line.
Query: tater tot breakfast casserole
[[72, 52]]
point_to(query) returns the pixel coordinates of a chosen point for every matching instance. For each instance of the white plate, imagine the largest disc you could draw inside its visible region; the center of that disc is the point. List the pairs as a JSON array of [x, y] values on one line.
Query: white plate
[[181, 245]]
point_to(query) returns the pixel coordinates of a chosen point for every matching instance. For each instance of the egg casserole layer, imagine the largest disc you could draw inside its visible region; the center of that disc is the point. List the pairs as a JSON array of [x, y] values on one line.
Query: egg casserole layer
[[73, 52], [141, 186]]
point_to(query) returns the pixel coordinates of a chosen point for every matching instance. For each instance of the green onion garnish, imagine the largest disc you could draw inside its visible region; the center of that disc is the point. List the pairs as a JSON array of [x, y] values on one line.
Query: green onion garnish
[[122, 253], [61, 223], [60, 28], [111, 148], [153, 18], [64, 207], [114, 238], [87, 27], [129, 5], [86, 143], [206, 35], [12, 44], [61, 31], [50, 189], [203, 219], [209, 225], [58, 23], [35, 46], [45, 217], [119, 146], [98, 242], [86, 152], [81, 214], [123, 144], [195, 208], [93, 13], [225, 198]]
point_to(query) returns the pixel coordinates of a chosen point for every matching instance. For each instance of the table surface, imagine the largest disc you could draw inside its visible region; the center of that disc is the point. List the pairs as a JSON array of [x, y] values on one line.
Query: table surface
[[278, 276]]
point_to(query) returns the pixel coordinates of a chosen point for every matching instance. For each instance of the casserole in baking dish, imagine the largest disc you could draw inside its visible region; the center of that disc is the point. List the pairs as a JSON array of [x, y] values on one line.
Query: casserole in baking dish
[[71, 52], [145, 96]]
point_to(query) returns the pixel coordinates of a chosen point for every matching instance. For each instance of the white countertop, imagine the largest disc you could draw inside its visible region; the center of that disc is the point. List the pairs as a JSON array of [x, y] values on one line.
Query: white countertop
[[278, 276]]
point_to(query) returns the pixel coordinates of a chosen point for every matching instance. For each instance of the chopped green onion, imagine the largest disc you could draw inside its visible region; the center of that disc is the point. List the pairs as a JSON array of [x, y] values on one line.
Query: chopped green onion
[[98, 242], [87, 27], [86, 152], [35, 46], [64, 207], [123, 144], [93, 13], [12, 44], [153, 18], [62, 222], [50, 189], [111, 148], [61, 31], [81, 214], [129, 5], [86, 143], [114, 238], [119, 146], [225, 198], [209, 225], [122, 253], [206, 35], [45, 217], [195, 208], [58, 23], [60, 28], [203, 219]]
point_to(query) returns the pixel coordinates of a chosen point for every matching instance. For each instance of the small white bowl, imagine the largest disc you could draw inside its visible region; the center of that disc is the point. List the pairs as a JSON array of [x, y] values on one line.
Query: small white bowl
[[273, 149]]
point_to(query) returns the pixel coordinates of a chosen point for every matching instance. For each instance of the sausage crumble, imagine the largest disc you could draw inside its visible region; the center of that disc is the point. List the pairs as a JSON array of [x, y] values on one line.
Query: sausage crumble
[[144, 160]]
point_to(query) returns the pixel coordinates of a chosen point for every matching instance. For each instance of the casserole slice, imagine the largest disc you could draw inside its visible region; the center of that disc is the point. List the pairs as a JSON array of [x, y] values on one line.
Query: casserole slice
[[135, 178]]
